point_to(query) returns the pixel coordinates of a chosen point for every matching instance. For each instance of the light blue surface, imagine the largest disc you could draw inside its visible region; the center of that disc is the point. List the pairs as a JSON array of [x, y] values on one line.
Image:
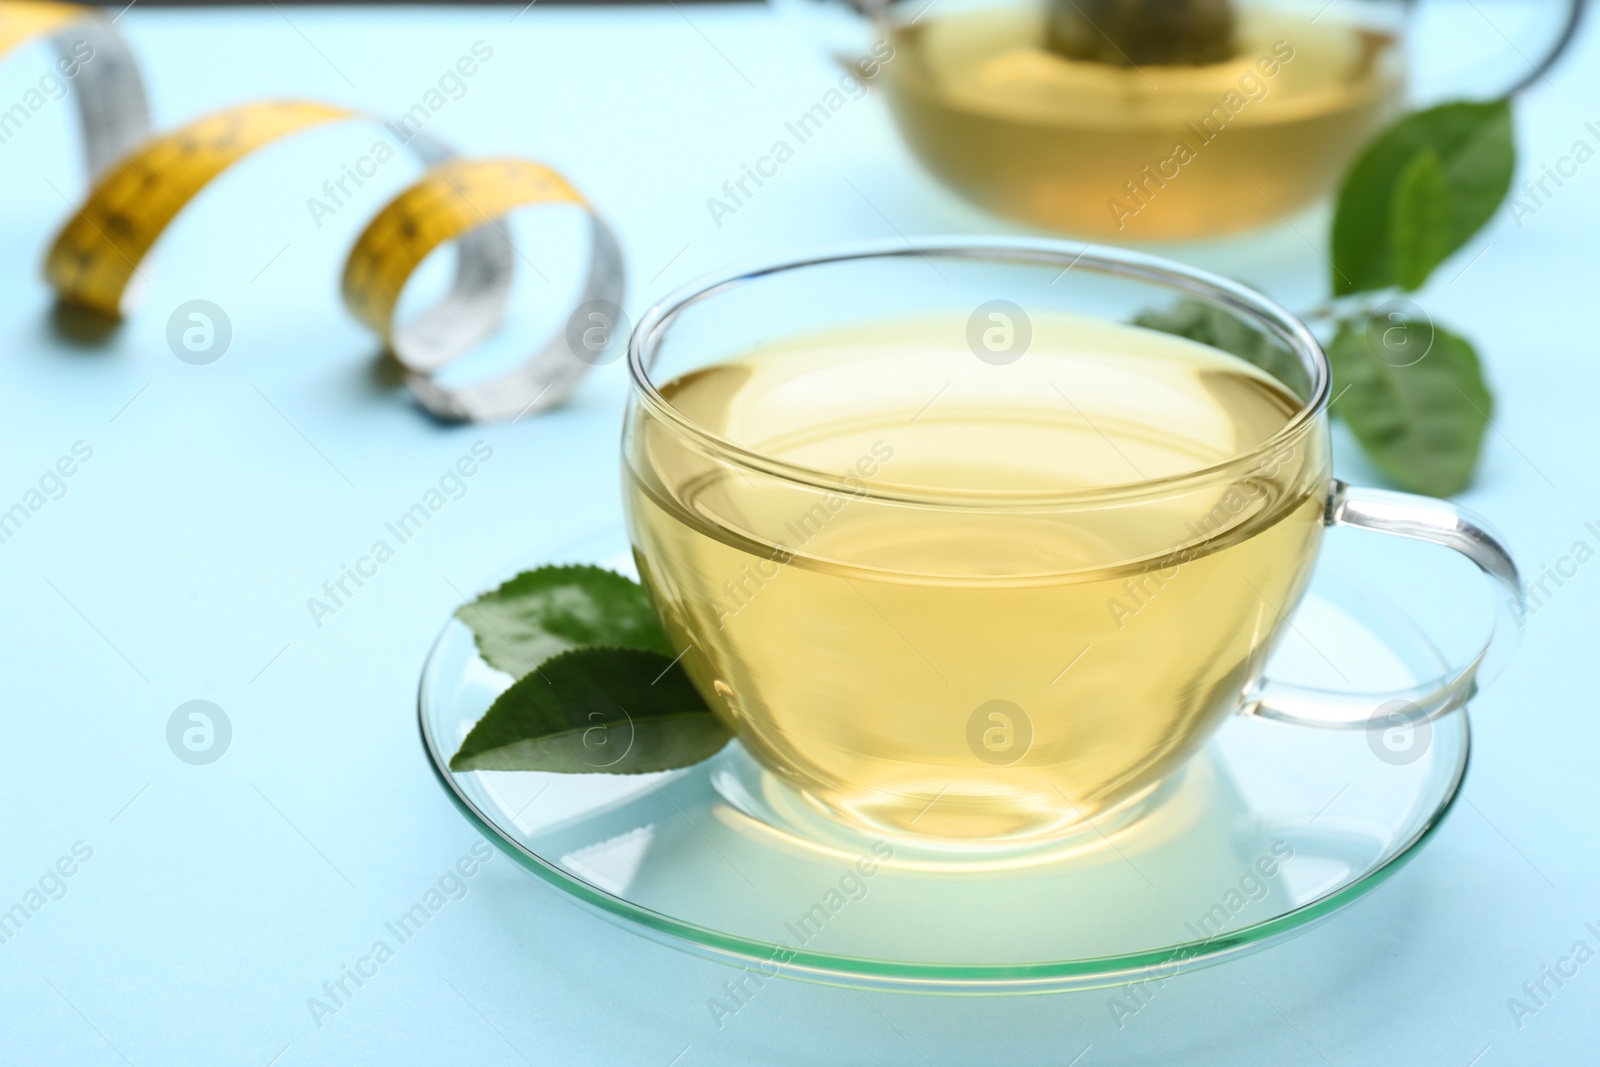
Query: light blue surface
[[219, 498]]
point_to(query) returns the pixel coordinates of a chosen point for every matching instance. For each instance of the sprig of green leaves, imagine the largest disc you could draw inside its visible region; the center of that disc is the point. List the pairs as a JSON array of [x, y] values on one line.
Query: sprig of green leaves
[[544, 612], [1411, 391], [1413, 395], [598, 690], [1223, 330], [1418, 193]]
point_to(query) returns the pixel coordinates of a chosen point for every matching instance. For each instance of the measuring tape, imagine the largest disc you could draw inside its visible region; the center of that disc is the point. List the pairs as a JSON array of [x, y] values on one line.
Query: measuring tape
[[140, 184], [111, 102], [455, 201]]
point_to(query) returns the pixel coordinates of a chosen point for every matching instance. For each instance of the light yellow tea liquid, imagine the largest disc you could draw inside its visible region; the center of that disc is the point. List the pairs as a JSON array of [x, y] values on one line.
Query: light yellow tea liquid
[[1147, 153], [974, 670]]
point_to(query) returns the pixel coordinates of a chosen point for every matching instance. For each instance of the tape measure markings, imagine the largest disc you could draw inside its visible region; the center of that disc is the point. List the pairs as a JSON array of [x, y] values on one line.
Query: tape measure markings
[[141, 185], [111, 102], [438, 208], [133, 202], [464, 200]]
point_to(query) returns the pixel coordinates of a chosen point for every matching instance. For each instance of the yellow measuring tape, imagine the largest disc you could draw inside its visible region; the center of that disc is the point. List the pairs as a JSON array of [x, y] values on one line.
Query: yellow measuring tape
[[100, 248], [142, 183], [24, 20]]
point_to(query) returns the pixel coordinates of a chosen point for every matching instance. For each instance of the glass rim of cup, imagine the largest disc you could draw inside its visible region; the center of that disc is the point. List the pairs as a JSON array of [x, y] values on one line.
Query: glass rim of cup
[[1180, 278]]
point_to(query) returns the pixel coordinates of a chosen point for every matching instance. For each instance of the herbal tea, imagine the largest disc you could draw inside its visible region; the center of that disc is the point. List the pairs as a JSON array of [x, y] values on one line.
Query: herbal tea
[[951, 633], [1151, 151]]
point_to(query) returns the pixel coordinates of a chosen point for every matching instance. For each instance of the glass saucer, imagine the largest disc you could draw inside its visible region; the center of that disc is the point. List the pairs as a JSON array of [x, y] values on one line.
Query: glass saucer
[[1266, 833]]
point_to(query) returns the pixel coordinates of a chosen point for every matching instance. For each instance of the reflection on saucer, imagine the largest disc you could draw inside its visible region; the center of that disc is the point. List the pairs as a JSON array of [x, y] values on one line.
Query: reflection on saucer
[[1272, 828]]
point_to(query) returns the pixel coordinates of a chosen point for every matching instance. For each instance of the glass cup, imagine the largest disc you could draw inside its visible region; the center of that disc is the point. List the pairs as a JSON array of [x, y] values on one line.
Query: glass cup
[[943, 657], [1148, 120]]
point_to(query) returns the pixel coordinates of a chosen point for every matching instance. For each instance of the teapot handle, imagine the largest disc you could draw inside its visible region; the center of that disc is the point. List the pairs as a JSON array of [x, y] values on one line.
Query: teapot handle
[[1537, 69]]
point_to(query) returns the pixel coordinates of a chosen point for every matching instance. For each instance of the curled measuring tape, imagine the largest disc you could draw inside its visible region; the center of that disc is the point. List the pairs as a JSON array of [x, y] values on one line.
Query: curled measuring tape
[[454, 201], [141, 183], [93, 56]]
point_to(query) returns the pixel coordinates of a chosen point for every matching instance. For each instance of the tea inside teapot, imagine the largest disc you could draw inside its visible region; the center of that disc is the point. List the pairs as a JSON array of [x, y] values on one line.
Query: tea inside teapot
[[1201, 117]]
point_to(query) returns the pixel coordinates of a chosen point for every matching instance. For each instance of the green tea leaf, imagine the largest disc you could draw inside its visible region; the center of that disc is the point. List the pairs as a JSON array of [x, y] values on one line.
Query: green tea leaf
[[595, 710], [1142, 33], [1213, 326], [1421, 219], [542, 613], [1415, 398], [1384, 203]]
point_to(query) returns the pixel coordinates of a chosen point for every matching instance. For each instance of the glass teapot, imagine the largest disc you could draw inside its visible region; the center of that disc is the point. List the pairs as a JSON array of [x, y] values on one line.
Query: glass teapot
[[1143, 120]]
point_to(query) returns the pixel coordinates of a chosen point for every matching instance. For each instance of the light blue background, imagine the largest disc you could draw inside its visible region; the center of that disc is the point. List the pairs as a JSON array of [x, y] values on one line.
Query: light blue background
[[219, 498]]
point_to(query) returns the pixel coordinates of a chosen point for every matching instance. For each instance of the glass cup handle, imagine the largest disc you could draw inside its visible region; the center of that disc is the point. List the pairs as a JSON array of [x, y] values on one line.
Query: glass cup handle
[[1438, 522]]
